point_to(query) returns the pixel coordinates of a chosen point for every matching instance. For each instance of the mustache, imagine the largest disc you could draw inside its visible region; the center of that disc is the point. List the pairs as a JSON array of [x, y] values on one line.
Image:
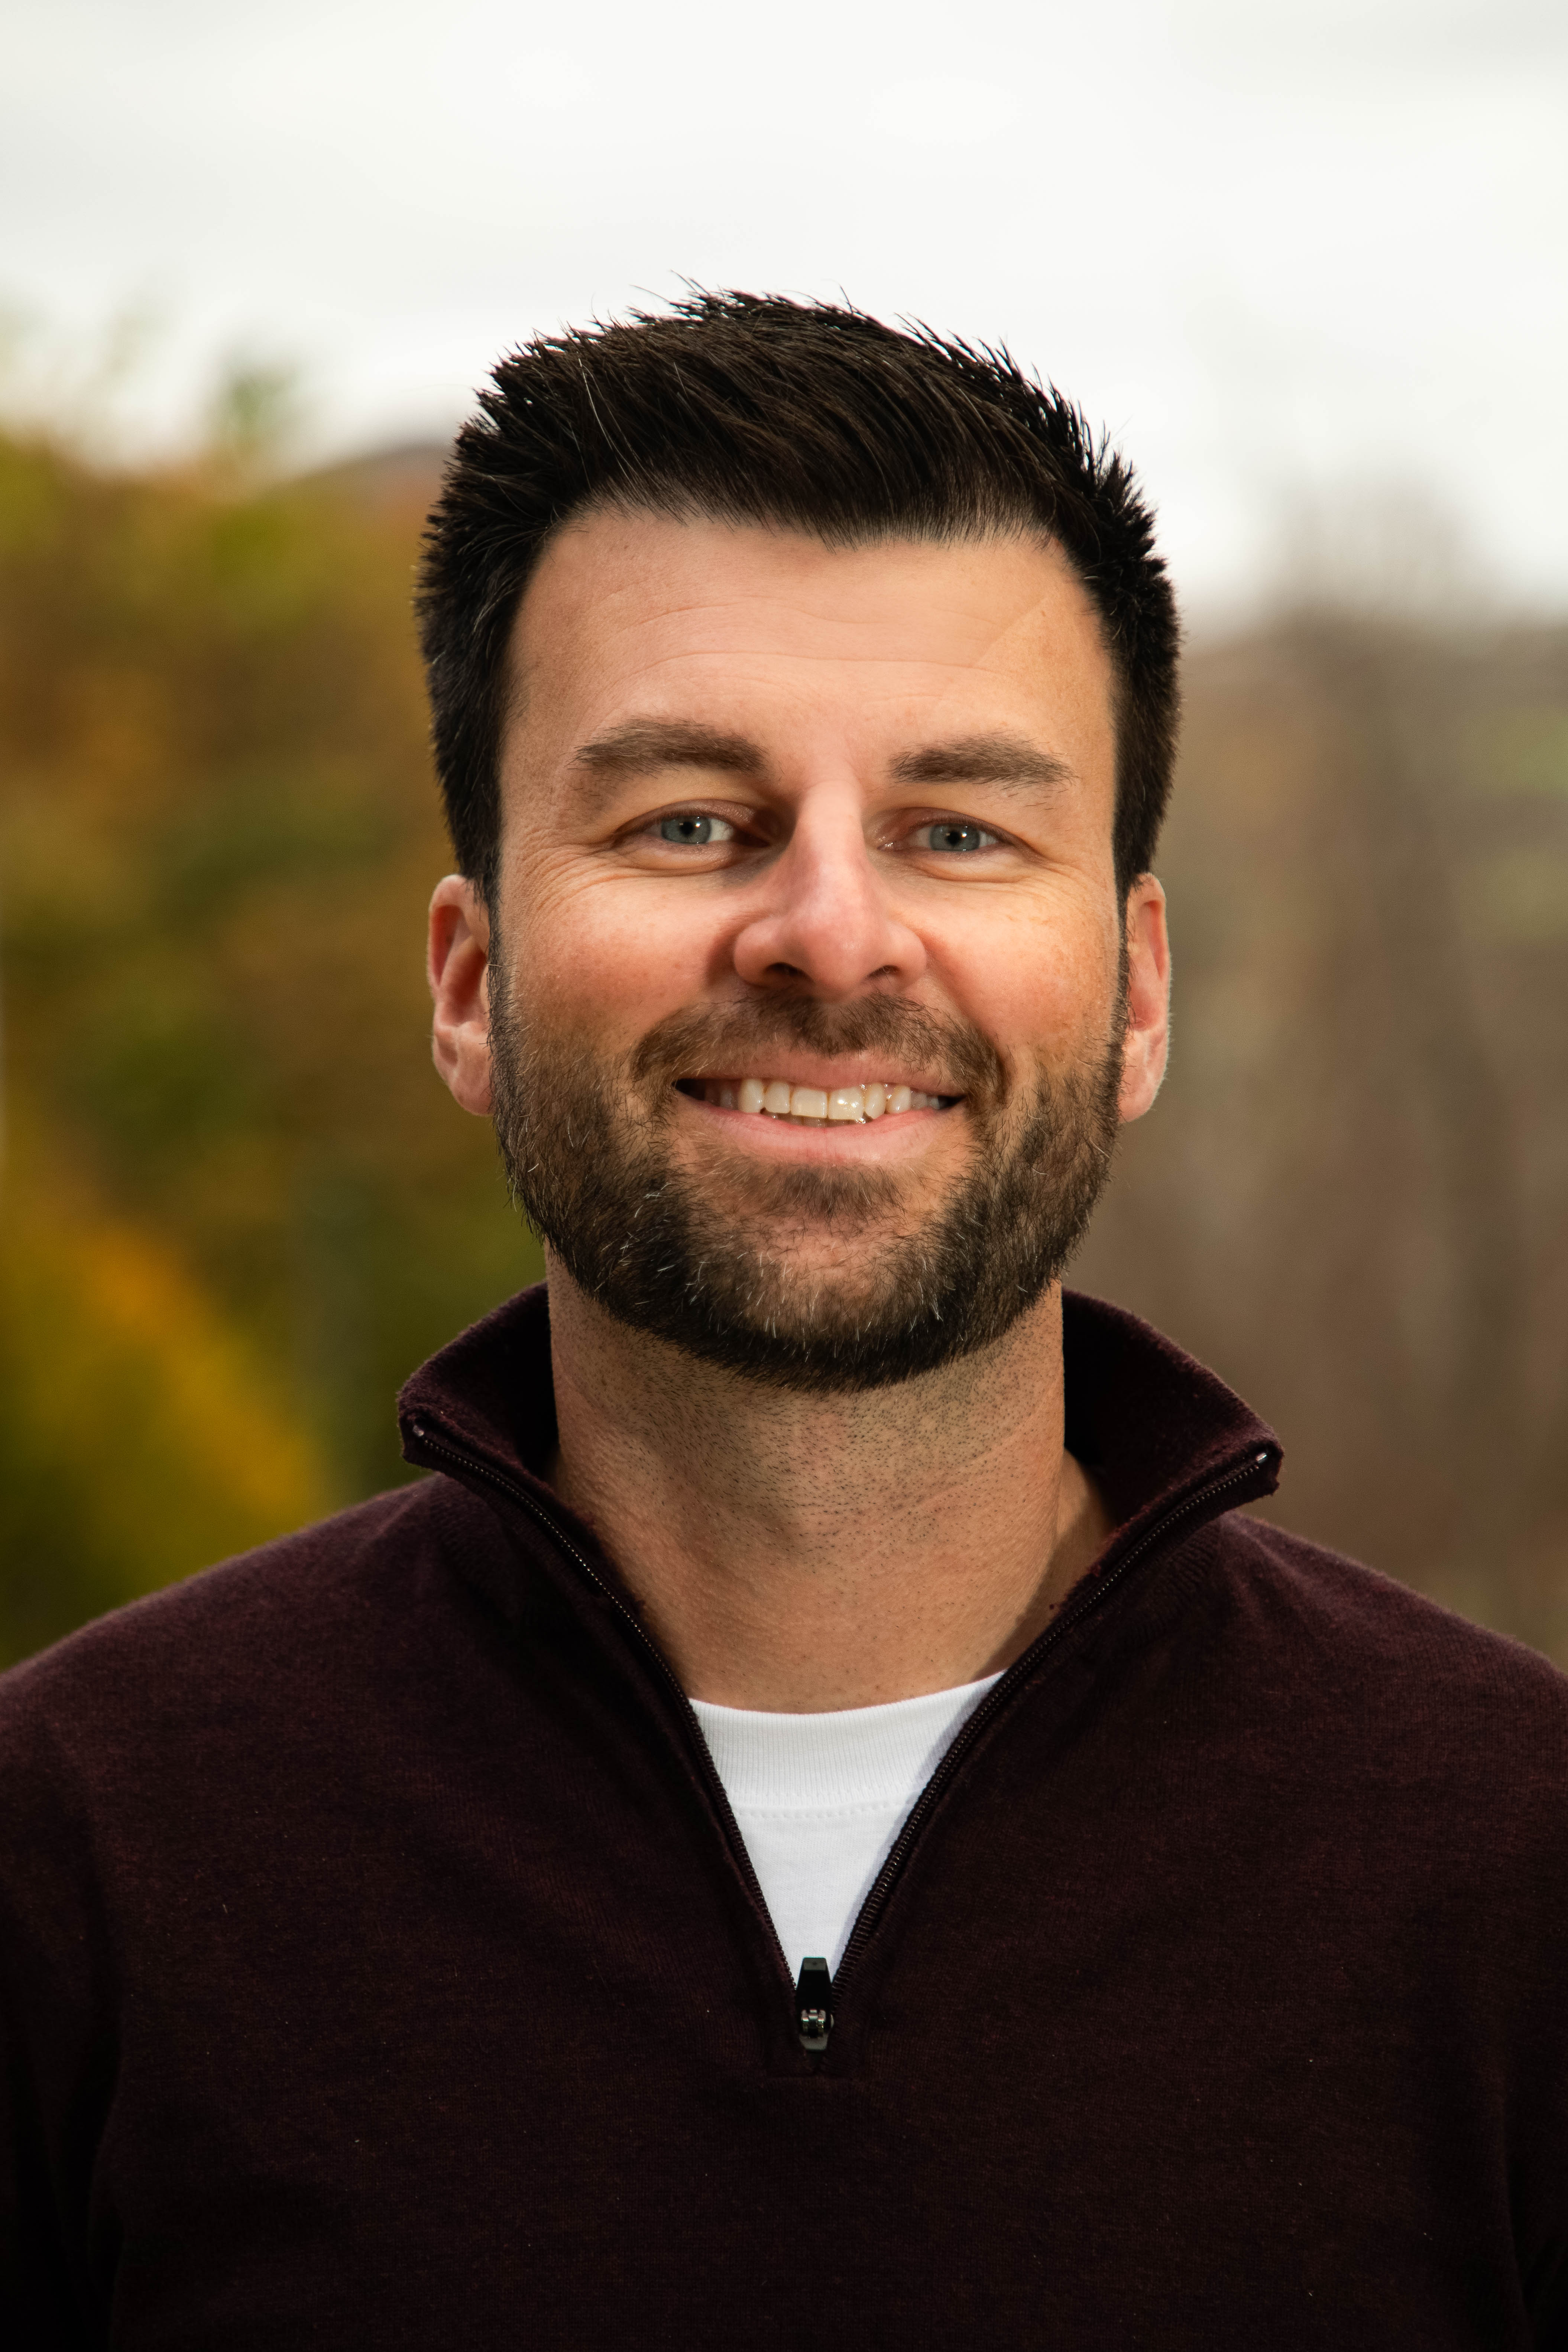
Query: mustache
[[736, 1036]]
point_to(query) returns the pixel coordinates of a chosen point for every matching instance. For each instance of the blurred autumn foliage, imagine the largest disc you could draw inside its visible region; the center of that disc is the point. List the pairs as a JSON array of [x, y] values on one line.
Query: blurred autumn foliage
[[239, 1208]]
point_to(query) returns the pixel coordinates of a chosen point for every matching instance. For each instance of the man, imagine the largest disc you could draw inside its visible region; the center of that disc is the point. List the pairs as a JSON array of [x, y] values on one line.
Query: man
[[817, 1822]]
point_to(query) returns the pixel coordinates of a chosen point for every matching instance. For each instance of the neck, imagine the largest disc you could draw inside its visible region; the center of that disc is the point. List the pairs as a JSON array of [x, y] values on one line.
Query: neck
[[798, 1553]]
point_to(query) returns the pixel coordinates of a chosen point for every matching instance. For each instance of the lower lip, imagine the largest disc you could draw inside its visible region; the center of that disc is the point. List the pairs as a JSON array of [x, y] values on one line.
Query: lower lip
[[887, 1137]]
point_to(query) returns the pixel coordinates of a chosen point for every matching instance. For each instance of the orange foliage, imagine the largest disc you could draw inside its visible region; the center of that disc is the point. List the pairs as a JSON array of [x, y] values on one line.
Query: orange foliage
[[140, 1436]]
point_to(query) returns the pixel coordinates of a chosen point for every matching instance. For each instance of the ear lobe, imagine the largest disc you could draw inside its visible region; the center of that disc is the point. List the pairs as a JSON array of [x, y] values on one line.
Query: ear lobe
[[457, 967]]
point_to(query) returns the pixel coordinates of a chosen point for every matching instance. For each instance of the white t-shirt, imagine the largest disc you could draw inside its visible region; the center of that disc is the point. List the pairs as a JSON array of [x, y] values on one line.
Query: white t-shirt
[[819, 1800]]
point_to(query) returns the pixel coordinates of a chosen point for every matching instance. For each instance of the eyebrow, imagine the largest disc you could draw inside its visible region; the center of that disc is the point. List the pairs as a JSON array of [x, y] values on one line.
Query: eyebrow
[[662, 743], [1003, 758]]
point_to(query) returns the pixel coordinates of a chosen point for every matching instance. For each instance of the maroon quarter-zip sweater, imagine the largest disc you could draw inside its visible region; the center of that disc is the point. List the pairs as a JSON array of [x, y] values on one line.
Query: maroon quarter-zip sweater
[[380, 1966]]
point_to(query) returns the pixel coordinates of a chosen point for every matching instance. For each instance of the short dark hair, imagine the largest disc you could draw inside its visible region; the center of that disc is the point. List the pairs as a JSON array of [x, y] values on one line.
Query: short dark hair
[[802, 415]]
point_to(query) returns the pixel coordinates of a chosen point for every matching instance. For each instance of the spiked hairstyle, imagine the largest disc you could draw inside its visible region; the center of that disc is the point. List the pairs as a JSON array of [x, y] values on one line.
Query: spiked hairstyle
[[806, 416]]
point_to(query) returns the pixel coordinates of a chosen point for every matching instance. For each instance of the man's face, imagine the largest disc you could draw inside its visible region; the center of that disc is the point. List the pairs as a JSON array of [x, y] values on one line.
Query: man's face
[[783, 817]]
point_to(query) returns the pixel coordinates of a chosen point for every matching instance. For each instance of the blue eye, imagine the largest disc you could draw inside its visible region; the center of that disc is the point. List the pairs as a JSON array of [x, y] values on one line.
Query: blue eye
[[694, 831], [949, 834]]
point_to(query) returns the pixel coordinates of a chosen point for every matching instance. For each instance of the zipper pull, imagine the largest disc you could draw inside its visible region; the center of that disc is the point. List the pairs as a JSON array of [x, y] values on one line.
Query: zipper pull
[[814, 2004]]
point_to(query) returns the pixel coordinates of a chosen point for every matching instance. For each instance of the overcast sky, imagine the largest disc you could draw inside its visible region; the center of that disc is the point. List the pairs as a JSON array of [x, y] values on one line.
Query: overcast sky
[[1293, 256]]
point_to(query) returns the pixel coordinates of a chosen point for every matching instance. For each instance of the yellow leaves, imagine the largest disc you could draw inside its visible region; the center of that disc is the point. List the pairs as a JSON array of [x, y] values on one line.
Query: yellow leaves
[[140, 1436], [218, 830]]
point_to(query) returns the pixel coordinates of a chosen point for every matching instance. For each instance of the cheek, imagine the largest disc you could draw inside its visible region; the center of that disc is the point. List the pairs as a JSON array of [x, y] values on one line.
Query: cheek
[[605, 955], [1038, 982]]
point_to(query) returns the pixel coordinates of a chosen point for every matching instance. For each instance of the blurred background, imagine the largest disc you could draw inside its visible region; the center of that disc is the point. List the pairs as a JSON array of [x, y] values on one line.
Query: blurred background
[[1305, 263]]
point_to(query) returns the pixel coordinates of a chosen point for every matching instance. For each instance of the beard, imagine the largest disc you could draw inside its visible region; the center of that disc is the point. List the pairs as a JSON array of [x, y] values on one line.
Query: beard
[[589, 1160]]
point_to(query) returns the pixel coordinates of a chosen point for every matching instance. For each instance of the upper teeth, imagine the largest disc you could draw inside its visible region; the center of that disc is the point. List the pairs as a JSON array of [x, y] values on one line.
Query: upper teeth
[[816, 1104]]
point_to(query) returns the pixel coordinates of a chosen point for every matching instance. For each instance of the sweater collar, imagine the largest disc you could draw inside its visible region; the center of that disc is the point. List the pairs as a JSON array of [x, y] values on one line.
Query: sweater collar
[[1153, 1427]]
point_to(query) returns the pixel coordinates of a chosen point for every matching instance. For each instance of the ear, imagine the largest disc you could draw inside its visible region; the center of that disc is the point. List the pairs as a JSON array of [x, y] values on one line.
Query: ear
[[1148, 1040], [458, 965]]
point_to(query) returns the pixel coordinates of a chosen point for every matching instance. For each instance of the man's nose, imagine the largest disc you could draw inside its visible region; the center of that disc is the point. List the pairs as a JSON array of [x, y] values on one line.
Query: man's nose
[[826, 925]]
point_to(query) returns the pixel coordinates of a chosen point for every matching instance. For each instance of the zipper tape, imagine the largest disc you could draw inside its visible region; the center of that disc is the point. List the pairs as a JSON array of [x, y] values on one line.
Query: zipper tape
[[816, 2002]]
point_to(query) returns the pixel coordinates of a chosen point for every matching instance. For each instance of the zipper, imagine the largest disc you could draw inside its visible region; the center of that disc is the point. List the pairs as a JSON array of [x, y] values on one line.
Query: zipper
[[816, 1996], [700, 1754], [814, 2005]]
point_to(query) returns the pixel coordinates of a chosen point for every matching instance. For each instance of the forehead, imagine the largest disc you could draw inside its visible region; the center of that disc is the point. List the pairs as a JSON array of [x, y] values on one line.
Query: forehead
[[634, 614]]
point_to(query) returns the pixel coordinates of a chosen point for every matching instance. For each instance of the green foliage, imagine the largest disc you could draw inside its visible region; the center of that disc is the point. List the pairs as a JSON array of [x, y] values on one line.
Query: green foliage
[[218, 834]]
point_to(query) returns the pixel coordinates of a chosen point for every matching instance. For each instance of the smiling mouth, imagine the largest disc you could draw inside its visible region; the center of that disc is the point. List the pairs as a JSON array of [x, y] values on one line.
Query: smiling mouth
[[813, 1106]]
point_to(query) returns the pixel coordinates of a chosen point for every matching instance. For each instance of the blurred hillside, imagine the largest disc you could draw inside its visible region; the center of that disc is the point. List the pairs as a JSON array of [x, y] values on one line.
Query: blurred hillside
[[239, 1208]]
